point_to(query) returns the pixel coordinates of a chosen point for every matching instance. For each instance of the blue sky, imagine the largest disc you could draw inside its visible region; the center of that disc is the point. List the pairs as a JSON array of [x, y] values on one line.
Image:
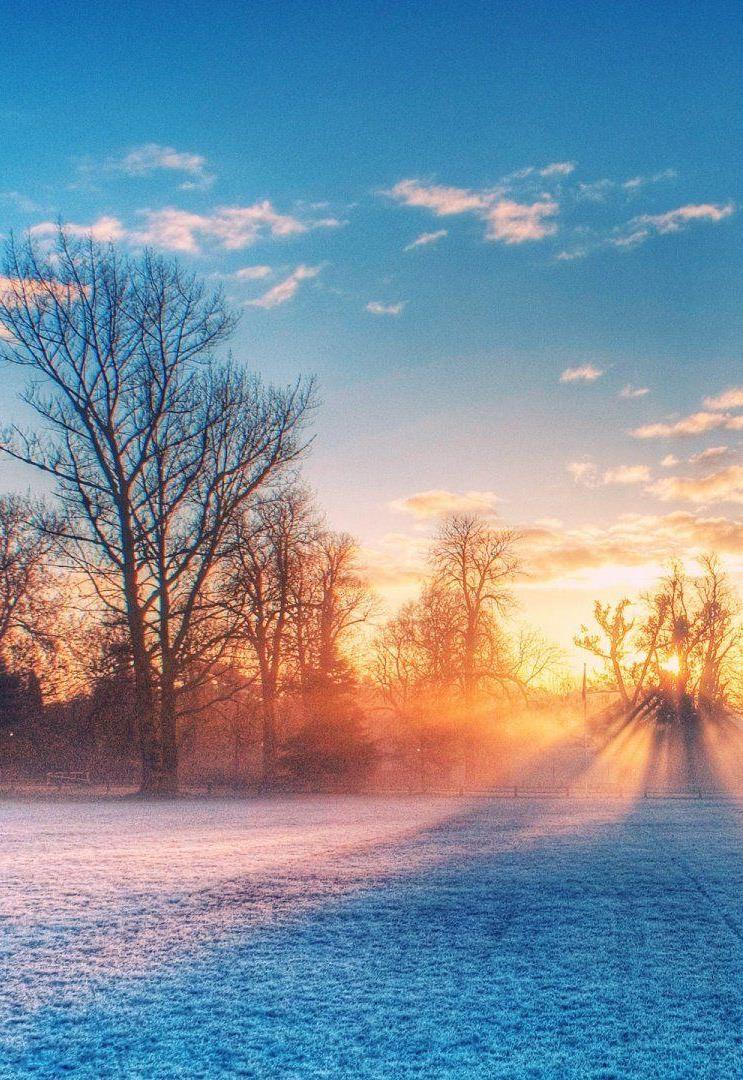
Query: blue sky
[[573, 175]]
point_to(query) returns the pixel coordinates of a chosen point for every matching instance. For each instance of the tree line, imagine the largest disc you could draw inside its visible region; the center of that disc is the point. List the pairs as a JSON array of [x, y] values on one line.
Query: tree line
[[178, 575]]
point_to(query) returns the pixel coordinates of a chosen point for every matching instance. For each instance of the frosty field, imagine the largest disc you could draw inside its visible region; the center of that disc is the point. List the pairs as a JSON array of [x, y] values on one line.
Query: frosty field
[[361, 937]]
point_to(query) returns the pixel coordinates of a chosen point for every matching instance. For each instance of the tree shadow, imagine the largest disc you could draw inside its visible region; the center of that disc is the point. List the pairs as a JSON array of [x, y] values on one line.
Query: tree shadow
[[515, 939]]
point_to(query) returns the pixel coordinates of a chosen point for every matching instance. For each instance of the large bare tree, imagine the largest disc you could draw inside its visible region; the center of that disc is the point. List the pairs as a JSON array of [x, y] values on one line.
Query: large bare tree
[[154, 448]]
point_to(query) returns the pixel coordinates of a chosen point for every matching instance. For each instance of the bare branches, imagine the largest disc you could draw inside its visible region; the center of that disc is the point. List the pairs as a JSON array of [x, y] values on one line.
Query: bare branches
[[685, 638], [155, 447]]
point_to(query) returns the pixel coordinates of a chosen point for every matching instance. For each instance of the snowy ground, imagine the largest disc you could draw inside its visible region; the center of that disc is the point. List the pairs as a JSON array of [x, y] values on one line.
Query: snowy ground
[[371, 938]]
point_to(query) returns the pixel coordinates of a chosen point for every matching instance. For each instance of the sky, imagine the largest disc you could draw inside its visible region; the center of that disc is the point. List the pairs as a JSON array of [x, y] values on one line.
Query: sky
[[506, 238]]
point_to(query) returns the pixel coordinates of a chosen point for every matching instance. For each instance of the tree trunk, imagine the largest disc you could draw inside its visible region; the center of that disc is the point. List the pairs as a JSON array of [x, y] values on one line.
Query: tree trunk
[[168, 778], [270, 741]]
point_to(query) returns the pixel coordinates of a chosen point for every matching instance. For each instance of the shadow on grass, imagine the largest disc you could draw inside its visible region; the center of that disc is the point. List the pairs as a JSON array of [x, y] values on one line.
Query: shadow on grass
[[513, 939]]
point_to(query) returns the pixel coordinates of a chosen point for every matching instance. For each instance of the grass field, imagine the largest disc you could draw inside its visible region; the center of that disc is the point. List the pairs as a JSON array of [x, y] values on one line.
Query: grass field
[[371, 938]]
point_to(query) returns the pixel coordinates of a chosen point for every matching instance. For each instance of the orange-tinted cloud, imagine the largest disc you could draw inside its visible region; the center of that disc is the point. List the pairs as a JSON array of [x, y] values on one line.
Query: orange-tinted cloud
[[697, 424], [731, 398], [425, 505], [723, 485]]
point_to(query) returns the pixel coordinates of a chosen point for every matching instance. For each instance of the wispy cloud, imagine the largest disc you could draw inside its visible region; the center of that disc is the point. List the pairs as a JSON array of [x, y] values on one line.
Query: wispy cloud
[[627, 474], [287, 289], [173, 229], [103, 229], [587, 474], [720, 486], [439, 199], [583, 472], [697, 424], [426, 239], [643, 226], [554, 169], [711, 454], [558, 168], [152, 157], [636, 182], [728, 399], [425, 505], [376, 307], [629, 391], [584, 373], [507, 220], [20, 201], [252, 273], [602, 189], [635, 540], [514, 223]]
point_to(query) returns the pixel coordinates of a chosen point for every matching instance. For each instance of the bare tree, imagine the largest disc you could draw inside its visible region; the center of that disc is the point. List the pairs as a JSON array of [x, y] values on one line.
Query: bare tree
[[611, 643], [26, 602], [683, 644], [330, 598], [476, 565], [269, 545], [154, 448]]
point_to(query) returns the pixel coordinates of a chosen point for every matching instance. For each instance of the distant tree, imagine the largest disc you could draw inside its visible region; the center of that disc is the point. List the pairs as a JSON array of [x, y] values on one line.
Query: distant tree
[[154, 449], [446, 658], [476, 565], [332, 750], [331, 598], [682, 647], [11, 699], [27, 603], [269, 544]]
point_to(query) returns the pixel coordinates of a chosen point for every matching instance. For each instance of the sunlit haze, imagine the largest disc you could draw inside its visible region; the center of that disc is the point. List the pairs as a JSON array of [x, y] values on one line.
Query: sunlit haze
[[513, 264]]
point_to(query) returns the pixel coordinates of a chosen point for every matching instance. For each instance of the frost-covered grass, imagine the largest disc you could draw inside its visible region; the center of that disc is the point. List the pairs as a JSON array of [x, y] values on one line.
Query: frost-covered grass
[[371, 938]]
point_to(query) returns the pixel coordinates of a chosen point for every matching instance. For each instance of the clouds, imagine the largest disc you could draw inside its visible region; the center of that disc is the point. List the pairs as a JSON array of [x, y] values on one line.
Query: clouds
[[425, 505], [231, 228], [600, 190], [515, 223], [718, 414], [376, 307], [587, 556], [731, 398], [629, 391], [506, 220], [557, 168], [585, 373], [525, 206], [426, 239], [720, 486], [583, 472], [103, 230], [151, 157], [251, 273], [635, 540], [285, 290], [643, 226], [627, 474], [587, 474], [440, 200]]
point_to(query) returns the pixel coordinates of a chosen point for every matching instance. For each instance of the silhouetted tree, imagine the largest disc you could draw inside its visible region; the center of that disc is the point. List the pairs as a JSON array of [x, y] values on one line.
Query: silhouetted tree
[[154, 449]]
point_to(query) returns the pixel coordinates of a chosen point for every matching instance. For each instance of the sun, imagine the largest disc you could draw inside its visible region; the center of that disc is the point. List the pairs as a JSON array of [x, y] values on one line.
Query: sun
[[672, 664]]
